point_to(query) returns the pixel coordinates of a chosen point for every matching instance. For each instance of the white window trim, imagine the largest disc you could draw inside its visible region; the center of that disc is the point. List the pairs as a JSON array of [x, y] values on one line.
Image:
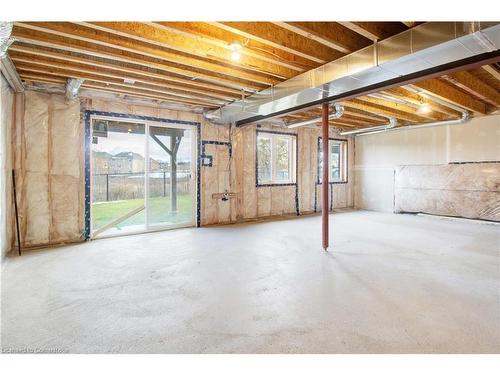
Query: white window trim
[[342, 161], [292, 160]]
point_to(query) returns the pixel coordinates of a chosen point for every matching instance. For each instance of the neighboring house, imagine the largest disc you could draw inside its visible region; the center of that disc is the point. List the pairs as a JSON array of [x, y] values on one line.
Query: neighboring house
[[101, 162], [127, 162]]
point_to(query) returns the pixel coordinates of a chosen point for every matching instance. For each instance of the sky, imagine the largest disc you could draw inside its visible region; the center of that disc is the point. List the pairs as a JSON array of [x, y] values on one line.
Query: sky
[[124, 142]]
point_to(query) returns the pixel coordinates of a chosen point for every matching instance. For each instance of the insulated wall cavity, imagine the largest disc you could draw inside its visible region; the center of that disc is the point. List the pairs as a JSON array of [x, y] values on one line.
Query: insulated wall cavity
[[7, 118]]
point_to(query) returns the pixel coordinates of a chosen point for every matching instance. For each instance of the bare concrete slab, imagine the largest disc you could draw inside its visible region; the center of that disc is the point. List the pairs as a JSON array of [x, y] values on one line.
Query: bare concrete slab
[[390, 284]]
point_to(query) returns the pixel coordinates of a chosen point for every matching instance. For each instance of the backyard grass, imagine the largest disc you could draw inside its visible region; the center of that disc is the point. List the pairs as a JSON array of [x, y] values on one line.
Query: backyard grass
[[159, 211]]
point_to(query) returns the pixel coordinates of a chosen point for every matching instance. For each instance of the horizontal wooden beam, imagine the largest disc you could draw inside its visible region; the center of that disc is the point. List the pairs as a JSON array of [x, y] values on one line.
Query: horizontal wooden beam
[[446, 91], [270, 34], [192, 46], [103, 36], [382, 110], [139, 93], [36, 78], [330, 34], [491, 70], [418, 100], [130, 69], [375, 30], [404, 108], [100, 44], [117, 87], [475, 86], [351, 115], [109, 76], [214, 35], [364, 115]]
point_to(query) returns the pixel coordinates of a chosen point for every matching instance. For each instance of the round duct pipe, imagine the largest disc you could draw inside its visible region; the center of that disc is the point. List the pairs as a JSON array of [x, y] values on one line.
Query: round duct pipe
[[339, 111]]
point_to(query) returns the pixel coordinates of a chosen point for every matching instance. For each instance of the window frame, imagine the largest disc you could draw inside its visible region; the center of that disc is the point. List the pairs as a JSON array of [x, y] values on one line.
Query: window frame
[[293, 163], [344, 157]]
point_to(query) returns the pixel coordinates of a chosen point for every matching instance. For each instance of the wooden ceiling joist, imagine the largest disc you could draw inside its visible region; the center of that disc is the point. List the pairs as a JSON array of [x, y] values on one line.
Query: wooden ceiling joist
[[475, 86], [383, 110], [82, 69], [452, 94], [491, 70], [412, 110], [95, 87], [416, 99], [131, 69], [98, 43], [141, 93], [190, 63], [153, 90], [375, 31], [275, 36], [330, 34], [166, 37], [89, 50], [214, 35]]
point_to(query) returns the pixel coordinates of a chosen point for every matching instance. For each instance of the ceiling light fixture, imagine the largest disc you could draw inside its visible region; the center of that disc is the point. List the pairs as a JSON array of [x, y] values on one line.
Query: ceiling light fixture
[[424, 108], [235, 51]]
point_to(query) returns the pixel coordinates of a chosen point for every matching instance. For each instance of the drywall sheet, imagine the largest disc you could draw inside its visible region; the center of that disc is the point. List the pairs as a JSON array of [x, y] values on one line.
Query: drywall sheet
[[377, 155], [465, 190]]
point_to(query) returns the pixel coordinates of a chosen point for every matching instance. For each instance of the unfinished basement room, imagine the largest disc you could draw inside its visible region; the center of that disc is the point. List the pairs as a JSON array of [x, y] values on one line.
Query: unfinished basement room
[[250, 187]]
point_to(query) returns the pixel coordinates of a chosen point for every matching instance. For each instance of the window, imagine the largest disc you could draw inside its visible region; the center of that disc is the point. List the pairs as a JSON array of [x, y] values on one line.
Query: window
[[275, 158], [337, 161]]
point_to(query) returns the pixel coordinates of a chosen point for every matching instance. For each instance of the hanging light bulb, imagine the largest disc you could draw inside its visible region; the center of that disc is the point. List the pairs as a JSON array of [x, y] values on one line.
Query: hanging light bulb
[[424, 108], [235, 48]]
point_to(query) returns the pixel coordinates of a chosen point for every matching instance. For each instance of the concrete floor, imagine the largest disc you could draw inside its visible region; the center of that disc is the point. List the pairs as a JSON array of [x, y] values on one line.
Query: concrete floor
[[391, 284]]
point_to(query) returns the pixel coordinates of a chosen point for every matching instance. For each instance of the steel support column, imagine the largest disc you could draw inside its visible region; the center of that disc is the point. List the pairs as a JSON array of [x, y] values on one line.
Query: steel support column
[[324, 185]]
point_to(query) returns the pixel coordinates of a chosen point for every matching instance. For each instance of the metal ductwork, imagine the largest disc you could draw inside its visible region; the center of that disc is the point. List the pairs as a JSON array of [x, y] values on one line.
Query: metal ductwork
[[73, 87], [5, 37], [426, 49], [6, 66], [339, 111]]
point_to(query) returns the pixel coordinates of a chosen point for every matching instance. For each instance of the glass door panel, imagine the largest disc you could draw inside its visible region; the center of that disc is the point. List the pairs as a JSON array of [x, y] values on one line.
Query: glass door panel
[[170, 200], [118, 169]]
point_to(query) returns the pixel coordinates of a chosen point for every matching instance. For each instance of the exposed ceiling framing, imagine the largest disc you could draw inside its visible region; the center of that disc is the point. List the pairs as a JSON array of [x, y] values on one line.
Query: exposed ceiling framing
[[189, 63]]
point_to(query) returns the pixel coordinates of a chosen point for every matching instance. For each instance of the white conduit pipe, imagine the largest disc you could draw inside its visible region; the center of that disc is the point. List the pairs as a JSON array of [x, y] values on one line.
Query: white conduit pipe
[[339, 111]]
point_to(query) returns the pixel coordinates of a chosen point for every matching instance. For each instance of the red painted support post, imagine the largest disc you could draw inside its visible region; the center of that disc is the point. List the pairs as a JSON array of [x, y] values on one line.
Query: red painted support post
[[324, 186]]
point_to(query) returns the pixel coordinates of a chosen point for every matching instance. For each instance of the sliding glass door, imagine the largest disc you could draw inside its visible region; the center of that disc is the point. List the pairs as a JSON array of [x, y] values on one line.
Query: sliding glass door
[[142, 177], [170, 175]]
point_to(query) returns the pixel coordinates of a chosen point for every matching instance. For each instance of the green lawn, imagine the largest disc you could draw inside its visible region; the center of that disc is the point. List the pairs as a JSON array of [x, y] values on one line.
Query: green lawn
[[159, 211]]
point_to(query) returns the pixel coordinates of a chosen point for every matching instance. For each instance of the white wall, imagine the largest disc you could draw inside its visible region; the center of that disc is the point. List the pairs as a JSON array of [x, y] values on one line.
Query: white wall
[[6, 112], [378, 154]]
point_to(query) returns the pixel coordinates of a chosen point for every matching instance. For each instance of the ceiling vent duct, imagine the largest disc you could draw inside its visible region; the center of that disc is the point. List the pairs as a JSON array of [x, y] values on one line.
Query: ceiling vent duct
[[73, 87], [5, 37], [430, 47], [6, 66], [337, 113]]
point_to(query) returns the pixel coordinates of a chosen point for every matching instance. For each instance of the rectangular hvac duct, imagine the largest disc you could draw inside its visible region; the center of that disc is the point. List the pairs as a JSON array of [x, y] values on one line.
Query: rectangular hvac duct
[[419, 49]]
